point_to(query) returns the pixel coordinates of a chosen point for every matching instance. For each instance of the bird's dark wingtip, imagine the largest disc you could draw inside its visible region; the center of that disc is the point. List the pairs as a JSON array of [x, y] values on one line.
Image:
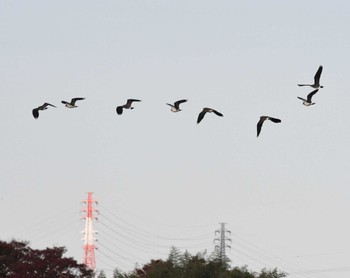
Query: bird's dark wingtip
[[119, 110]]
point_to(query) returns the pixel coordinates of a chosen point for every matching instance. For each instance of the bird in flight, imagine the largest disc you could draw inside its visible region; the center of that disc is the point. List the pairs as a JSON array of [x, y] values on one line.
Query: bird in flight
[[317, 77], [71, 104], [308, 101], [35, 111], [262, 120], [126, 106], [176, 106], [206, 110]]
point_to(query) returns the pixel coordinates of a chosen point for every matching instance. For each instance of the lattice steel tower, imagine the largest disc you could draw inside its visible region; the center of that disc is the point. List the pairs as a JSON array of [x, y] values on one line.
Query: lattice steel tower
[[222, 239], [89, 246]]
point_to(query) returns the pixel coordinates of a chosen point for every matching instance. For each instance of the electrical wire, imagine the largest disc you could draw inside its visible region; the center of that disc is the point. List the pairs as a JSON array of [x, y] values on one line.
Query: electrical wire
[[267, 256], [149, 220], [149, 234], [145, 242], [42, 226]]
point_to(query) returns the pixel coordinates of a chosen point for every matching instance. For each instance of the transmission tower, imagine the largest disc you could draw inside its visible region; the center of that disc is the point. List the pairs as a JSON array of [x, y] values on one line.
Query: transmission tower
[[222, 242], [89, 246]]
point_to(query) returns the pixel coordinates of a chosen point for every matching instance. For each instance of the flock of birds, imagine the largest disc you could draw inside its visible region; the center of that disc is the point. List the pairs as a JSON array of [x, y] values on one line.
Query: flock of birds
[[176, 106]]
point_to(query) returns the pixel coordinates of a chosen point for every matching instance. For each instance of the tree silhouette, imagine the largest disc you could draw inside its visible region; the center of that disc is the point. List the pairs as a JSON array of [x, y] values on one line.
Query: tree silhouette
[[185, 265], [18, 260]]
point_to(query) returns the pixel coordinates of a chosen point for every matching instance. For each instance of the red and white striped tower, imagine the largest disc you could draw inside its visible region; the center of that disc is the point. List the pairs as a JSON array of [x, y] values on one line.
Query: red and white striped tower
[[89, 247]]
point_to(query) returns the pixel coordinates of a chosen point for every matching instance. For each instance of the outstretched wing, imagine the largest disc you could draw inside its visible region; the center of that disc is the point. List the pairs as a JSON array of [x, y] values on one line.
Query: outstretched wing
[[217, 113], [259, 125], [318, 75], [177, 103], [131, 100], [309, 96], [47, 104], [201, 116], [275, 120], [75, 99]]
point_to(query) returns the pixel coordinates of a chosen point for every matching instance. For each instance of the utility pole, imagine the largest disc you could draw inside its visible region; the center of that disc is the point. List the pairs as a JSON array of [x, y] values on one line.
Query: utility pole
[[222, 239], [89, 246]]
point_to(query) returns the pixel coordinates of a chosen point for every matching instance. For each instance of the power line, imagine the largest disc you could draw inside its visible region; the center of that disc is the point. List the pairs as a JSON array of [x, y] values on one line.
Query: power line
[[149, 234]]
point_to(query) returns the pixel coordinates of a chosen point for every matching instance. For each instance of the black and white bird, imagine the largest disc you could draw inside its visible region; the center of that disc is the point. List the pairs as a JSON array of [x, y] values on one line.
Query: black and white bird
[[35, 111], [262, 120], [71, 104], [206, 110], [176, 106], [308, 100], [126, 106], [317, 77]]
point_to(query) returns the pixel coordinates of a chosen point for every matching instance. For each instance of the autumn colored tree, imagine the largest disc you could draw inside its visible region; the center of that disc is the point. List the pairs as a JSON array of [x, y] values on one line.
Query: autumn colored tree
[[18, 260]]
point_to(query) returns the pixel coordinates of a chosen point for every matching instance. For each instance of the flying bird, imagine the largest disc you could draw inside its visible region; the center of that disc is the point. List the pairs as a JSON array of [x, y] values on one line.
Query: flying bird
[[204, 111], [71, 104], [176, 106], [126, 106], [308, 101], [35, 111], [316, 84], [262, 120]]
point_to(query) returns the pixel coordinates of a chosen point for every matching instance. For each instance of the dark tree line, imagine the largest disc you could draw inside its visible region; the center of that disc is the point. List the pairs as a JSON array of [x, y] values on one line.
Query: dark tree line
[[18, 260], [185, 265]]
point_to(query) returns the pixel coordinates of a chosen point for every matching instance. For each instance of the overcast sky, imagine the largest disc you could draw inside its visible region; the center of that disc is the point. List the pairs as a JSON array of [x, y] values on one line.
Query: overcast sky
[[160, 178]]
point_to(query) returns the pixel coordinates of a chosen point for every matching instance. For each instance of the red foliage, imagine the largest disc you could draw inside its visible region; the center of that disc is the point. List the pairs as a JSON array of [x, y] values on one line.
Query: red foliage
[[18, 260]]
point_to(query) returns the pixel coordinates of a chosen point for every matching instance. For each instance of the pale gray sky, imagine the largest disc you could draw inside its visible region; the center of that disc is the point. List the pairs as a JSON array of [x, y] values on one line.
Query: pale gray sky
[[158, 176]]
